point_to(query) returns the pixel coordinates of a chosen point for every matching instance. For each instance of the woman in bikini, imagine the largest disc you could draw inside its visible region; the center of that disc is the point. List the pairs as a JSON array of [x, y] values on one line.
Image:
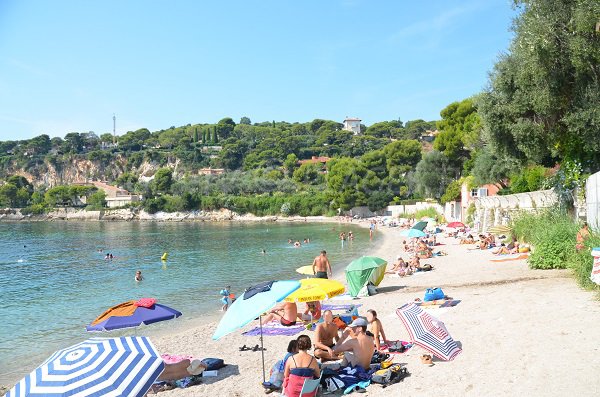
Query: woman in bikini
[[300, 367]]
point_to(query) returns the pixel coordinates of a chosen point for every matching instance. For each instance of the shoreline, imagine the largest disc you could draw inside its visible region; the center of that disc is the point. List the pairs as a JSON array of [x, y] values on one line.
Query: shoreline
[[208, 317], [10, 215]]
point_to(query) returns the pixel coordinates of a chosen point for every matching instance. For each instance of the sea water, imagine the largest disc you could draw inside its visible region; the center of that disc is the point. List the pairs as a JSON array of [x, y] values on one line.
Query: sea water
[[54, 279]]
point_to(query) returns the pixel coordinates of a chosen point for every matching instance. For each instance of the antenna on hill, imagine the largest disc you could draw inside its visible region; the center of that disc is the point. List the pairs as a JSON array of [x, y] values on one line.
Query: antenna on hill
[[114, 129]]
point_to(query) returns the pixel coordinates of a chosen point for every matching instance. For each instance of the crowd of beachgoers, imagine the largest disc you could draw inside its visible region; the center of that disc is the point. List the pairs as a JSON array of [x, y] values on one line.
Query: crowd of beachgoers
[[502, 316]]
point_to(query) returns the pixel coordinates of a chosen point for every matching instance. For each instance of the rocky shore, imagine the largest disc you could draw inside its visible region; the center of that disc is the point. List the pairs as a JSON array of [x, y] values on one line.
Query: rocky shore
[[134, 214]]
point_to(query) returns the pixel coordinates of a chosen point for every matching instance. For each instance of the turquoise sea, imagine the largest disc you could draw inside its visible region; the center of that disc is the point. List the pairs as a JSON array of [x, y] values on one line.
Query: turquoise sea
[[54, 280]]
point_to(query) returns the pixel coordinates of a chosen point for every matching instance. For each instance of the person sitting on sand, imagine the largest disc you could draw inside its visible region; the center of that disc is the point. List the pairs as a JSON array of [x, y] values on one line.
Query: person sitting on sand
[[312, 312], [582, 235], [287, 312], [376, 328], [300, 367], [356, 345], [138, 276], [276, 380], [326, 334], [423, 251]]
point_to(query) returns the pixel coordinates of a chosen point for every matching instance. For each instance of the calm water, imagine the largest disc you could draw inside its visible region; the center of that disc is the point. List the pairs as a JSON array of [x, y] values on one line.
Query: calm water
[[53, 280]]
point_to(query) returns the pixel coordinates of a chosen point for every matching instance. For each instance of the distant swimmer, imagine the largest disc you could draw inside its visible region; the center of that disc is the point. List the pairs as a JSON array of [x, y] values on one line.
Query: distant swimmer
[[107, 257], [321, 266], [297, 244], [264, 251], [138, 276]]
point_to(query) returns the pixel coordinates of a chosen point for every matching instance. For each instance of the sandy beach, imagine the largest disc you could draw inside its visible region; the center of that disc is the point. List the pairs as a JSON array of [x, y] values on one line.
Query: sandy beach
[[523, 332]]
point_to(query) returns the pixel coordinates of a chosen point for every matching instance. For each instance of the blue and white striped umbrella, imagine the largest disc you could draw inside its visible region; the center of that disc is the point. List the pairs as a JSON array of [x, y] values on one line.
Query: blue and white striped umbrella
[[125, 366], [428, 332]]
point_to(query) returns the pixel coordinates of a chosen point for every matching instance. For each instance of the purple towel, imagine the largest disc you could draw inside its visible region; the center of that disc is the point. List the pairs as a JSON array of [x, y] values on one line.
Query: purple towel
[[276, 331]]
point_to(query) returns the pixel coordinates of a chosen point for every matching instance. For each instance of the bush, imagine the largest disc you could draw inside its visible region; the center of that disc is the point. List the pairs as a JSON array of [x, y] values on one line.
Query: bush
[[553, 236]]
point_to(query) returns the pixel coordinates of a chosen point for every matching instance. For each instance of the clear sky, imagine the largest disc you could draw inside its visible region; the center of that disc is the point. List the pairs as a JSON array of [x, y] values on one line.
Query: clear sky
[[67, 66]]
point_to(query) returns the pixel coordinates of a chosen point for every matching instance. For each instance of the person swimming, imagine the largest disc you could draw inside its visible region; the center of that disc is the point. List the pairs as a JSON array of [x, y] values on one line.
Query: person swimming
[[297, 244], [138, 276]]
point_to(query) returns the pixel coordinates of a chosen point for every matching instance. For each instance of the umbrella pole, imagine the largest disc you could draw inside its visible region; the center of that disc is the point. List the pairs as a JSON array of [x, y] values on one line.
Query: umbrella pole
[[262, 351]]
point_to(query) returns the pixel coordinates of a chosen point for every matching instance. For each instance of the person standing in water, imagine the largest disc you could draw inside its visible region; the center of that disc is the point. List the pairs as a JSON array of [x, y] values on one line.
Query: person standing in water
[[138, 276], [321, 266]]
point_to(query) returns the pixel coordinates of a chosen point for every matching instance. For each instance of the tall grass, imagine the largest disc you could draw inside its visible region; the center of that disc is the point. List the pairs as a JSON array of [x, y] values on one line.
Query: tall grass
[[429, 212], [553, 233]]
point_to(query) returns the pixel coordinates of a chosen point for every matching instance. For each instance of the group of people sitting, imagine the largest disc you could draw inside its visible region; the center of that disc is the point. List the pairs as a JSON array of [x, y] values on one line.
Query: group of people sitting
[[353, 346], [403, 268]]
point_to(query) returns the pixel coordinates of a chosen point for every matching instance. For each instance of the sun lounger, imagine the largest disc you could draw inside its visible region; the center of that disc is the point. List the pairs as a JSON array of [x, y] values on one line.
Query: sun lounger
[[439, 303]]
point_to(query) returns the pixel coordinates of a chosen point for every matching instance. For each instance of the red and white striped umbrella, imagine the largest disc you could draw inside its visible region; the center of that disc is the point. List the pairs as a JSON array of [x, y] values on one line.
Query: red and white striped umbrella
[[428, 332]]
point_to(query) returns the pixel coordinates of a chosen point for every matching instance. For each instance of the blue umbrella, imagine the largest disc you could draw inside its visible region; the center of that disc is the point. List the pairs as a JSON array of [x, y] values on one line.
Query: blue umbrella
[[141, 315], [412, 233], [252, 304], [125, 366]]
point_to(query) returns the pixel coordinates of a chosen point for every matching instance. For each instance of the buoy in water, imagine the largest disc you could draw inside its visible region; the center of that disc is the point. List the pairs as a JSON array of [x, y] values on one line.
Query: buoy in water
[[164, 256]]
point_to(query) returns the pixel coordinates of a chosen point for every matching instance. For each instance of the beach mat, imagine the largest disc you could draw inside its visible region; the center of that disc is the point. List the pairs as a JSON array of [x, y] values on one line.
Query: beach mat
[[272, 329], [517, 258], [438, 304]]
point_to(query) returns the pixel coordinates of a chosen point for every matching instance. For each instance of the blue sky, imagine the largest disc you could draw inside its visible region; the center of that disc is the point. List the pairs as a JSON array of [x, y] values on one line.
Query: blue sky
[[69, 65]]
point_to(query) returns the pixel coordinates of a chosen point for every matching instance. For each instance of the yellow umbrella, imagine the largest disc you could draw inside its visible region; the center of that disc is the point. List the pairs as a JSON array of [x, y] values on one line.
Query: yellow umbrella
[[307, 270], [316, 289]]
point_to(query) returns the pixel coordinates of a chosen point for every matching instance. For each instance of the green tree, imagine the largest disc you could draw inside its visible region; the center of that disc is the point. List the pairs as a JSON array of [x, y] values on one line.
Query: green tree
[[344, 175], [73, 143], [544, 94], [452, 192], [433, 174], [163, 180], [290, 164], [224, 128], [97, 200], [376, 161], [245, 120], [8, 195], [309, 173], [403, 152], [460, 129]]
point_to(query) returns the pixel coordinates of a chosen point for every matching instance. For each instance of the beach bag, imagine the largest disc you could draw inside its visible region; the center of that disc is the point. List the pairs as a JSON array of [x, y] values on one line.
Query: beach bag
[[379, 357], [332, 384], [393, 374], [213, 364], [433, 294], [276, 378], [371, 289]]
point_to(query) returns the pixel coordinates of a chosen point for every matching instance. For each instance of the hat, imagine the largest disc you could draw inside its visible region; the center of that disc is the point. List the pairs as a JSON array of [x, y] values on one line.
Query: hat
[[358, 322], [399, 257]]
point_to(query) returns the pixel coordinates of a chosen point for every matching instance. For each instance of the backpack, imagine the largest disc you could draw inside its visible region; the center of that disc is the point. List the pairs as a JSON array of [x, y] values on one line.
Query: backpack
[[213, 364], [390, 375]]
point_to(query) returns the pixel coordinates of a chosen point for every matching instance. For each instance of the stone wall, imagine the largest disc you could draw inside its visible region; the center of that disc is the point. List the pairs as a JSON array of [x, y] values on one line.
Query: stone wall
[[498, 210]]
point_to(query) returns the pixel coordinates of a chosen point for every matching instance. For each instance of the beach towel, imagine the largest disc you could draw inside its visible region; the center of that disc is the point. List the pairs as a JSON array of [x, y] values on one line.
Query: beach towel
[[386, 346], [174, 358], [439, 303], [514, 258], [275, 329]]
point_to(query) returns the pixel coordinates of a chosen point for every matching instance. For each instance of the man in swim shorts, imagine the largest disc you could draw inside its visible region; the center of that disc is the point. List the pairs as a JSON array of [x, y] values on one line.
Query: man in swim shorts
[[325, 336], [287, 313], [321, 266]]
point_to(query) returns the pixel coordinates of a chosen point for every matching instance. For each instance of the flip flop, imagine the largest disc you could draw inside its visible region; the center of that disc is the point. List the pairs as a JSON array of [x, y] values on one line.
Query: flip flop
[[244, 348]]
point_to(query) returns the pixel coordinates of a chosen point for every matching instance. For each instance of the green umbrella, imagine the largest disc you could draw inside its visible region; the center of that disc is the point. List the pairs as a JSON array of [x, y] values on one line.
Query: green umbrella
[[362, 270], [420, 225]]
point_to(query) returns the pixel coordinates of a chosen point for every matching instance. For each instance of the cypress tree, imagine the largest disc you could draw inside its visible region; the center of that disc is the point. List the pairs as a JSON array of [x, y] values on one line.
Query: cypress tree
[[196, 134], [216, 136], [203, 136]]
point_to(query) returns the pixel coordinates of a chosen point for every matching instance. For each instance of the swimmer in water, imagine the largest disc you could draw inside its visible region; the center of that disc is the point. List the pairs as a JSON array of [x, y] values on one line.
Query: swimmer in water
[[264, 251], [138, 276], [107, 257], [297, 244]]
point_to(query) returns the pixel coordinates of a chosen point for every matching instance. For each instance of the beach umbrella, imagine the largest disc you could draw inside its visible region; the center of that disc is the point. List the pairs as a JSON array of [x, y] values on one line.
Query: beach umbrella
[[306, 270], [316, 289], [455, 225], [420, 225], [252, 304], [125, 366], [412, 233], [428, 332], [499, 229], [132, 314], [363, 270]]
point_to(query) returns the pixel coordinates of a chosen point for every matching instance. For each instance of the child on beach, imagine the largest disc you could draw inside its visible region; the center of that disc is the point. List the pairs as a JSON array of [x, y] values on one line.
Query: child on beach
[[225, 298]]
